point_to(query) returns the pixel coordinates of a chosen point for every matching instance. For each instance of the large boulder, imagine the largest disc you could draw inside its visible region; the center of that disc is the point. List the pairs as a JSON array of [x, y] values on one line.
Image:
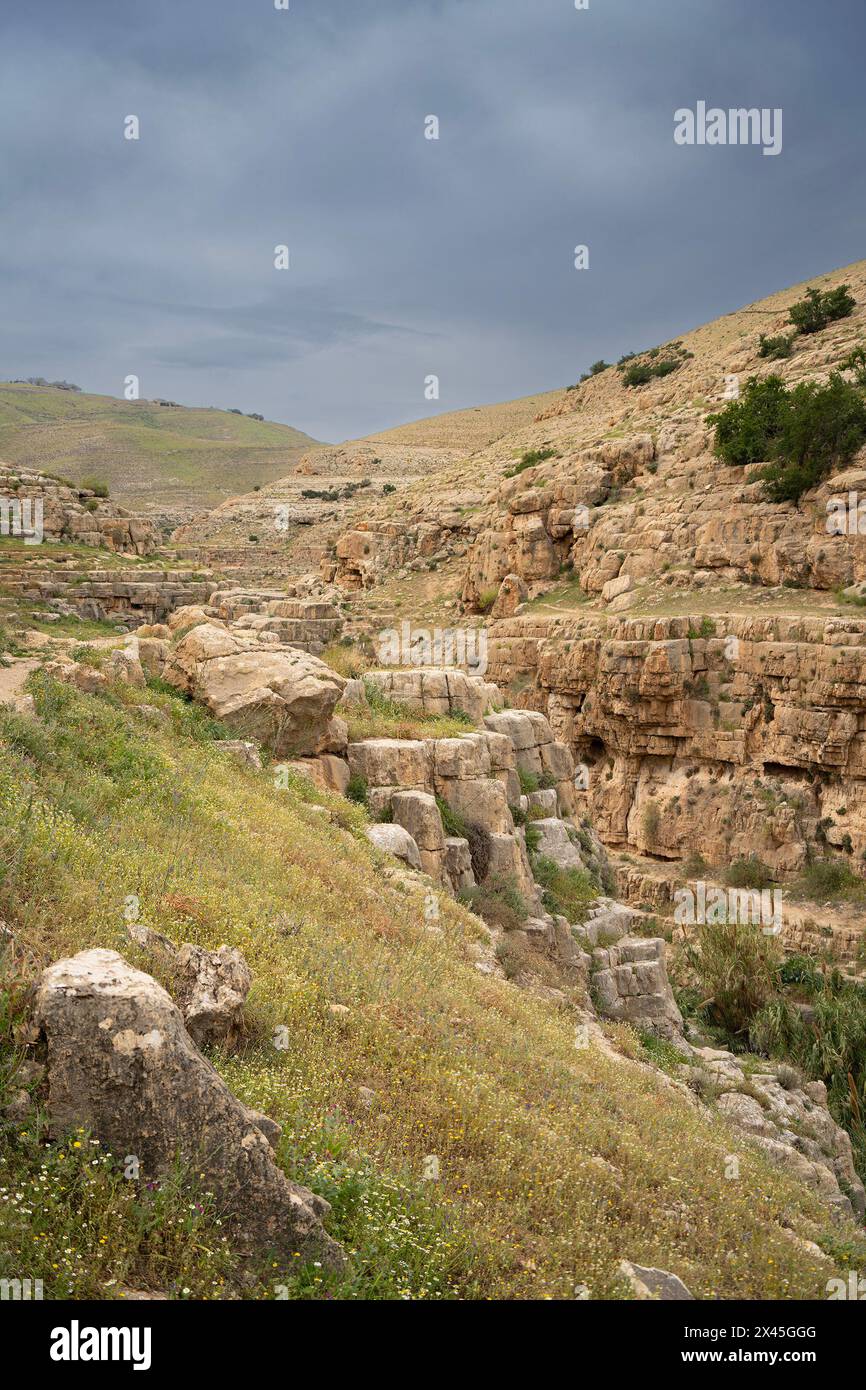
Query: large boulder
[[122, 1064], [278, 696]]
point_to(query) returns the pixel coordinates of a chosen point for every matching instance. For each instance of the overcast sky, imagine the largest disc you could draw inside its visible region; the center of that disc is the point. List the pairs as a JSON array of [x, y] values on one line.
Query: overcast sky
[[409, 256]]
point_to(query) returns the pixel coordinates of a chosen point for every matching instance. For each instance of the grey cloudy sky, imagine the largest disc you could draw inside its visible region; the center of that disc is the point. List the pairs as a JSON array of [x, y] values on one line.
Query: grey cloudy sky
[[409, 256]]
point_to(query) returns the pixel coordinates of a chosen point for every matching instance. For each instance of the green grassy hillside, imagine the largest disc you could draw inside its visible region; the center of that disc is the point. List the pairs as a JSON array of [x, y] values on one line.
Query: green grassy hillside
[[149, 455], [555, 1162]]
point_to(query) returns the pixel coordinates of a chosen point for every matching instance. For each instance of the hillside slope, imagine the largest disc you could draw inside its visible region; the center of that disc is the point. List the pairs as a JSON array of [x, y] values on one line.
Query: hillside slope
[[467, 430], [421, 451], [152, 457], [555, 1162]]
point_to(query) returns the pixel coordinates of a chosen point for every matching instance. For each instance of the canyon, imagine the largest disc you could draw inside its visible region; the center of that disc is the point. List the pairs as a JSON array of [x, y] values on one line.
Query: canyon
[[472, 707]]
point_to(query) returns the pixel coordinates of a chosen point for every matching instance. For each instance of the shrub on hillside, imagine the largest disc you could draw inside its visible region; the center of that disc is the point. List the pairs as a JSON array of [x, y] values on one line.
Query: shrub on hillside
[[821, 430], [856, 362], [831, 878], [565, 892], [806, 433], [748, 873], [96, 486], [356, 789], [480, 849], [499, 901], [821, 307], [529, 459], [778, 347], [452, 822], [638, 374], [639, 368], [748, 427], [595, 369]]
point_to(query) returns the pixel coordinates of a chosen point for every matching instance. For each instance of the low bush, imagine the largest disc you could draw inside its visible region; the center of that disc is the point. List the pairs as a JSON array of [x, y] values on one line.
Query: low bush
[[805, 433], [452, 821], [821, 307], [499, 902], [776, 348], [749, 872], [96, 486], [830, 878], [356, 789], [529, 460], [856, 362], [566, 892]]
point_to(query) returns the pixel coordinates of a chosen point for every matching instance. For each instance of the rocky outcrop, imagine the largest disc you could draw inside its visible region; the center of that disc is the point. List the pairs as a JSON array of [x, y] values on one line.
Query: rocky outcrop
[[122, 1065], [630, 985], [308, 623], [131, 597], [209, 987], [657, 1285], [212, 987], [436, 531], [474, 775], [73, 514], [437, 691], [788, 1119]]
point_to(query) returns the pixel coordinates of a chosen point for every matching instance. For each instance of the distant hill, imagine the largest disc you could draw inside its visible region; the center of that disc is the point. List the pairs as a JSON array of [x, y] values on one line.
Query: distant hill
[[471, 429], [154, 457]]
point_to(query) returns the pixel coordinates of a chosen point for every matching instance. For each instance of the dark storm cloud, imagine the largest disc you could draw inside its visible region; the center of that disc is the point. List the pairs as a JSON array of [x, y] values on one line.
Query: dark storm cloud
[[409, 256]]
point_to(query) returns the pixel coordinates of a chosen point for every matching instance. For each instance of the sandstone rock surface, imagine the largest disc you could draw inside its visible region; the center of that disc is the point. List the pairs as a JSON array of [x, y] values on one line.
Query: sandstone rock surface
[[277, 696]]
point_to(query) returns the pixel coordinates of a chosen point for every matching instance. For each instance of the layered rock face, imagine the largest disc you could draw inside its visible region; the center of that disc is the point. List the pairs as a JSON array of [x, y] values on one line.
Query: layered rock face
[[476, 775], [76, 514], [362, 555], [437, 692], [719, 527], [732, 736], [125, 596], [122, 1064], [631, 985]]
